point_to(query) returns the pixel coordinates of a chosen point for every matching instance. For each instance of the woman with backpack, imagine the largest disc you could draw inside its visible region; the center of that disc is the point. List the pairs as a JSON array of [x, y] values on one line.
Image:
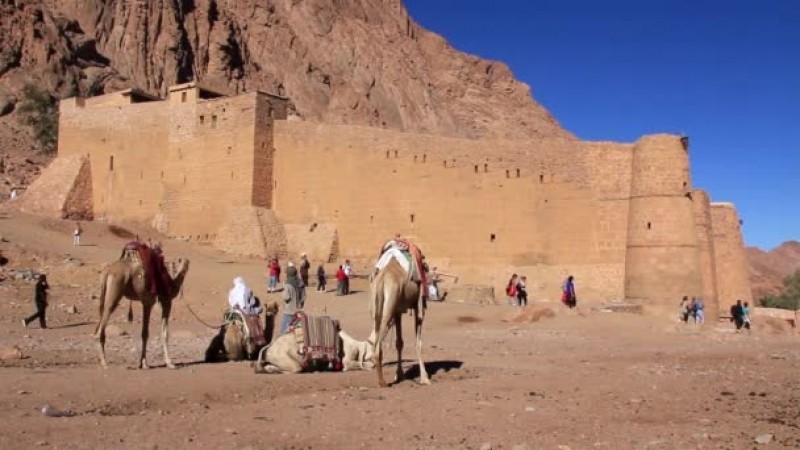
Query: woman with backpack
[[511, 290]]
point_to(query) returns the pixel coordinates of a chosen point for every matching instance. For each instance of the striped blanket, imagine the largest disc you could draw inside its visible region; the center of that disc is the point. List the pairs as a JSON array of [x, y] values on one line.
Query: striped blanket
[[318, 341]]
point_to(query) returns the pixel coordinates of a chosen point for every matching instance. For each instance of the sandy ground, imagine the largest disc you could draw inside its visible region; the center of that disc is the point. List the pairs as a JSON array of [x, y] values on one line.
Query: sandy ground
[[578, 380]]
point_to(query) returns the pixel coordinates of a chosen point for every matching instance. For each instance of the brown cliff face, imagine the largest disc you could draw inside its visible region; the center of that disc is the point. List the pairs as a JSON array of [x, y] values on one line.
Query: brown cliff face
[[768, 269], [362, 62]]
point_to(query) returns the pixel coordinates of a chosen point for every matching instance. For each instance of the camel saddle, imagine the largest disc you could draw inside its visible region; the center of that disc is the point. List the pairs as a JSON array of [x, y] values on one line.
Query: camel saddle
[[251, 325], [318, 341], [157, 278]]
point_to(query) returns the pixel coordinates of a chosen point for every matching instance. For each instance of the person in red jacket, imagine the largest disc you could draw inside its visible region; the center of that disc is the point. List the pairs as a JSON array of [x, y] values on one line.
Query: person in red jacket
[[511, 290], [274, 269], [341, 278]]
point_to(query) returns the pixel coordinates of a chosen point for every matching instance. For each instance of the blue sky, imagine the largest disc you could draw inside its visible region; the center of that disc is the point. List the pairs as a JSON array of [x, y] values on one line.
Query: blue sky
[[726, 73]]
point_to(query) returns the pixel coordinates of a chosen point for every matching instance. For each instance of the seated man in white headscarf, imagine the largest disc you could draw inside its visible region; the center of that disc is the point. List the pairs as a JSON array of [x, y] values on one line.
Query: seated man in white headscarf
[[241, 297]]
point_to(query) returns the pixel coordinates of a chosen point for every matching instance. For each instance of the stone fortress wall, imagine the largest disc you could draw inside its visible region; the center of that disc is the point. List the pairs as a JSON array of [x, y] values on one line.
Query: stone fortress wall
[[623, 218]]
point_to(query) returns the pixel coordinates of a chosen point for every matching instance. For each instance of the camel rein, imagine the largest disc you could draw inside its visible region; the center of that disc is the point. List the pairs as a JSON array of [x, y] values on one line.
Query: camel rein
[[189, 307]]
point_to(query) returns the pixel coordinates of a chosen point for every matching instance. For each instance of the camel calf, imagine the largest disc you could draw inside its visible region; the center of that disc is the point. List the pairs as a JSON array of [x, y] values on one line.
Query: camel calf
[[357, 354]]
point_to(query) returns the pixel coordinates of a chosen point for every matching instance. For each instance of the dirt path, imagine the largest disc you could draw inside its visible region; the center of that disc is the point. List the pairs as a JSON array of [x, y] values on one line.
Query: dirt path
[[581, 380]]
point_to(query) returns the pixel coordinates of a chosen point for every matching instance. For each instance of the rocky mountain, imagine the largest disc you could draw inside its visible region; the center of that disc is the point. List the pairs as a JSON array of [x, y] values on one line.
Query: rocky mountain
[[360, 62], [768, 268]]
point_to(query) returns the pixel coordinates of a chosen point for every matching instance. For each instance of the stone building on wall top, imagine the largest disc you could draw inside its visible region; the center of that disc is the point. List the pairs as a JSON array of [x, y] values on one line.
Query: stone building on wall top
[[238, 172]]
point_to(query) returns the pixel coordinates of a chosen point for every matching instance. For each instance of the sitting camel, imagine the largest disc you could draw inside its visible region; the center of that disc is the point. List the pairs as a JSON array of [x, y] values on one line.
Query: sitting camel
[[393, 293], [232, 343], [283, 355], [125, 278]]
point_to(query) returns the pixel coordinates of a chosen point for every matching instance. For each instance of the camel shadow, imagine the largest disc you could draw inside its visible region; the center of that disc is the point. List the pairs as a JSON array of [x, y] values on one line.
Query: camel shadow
[[432, 367]]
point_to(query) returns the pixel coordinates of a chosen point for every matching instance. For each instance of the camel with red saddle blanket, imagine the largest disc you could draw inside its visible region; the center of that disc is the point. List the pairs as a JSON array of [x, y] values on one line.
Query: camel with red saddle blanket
[[140, 275]]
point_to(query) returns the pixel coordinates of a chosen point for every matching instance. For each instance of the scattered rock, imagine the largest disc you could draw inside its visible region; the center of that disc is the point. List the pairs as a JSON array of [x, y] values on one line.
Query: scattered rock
[[10, 353], [530, 409], [42, 443], [765, 438], [50, 411], [71, 309], [486, 446], [231, 431]]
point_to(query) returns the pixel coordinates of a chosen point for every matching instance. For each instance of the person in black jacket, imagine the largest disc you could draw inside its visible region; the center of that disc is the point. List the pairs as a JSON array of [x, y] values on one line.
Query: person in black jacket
[[40, 298], [737, 315]]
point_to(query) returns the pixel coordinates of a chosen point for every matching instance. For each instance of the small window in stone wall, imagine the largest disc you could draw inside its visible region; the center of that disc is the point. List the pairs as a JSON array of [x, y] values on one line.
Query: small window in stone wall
[[183, 97], [214, 121], [412, 218], [202, 120], [649, 225], [492, 237], [111, 163]]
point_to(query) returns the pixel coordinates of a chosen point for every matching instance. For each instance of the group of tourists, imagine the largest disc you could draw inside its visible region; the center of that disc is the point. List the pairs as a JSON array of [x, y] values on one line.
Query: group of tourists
[[517, 291], [740, 315], [692, 311]]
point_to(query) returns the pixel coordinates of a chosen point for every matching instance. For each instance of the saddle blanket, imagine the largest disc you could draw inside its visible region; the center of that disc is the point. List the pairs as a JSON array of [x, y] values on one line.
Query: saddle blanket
[[318, 341]]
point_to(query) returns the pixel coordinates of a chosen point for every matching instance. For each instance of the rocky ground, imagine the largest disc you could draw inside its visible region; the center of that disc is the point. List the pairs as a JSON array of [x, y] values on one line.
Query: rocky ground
[[545, 378]]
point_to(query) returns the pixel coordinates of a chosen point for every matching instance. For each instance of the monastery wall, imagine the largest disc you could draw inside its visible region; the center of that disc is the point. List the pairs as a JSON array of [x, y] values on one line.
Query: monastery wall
[[181, 164], [208, 167], [125, 144], [621, 218], [733, 280], [374, 183]]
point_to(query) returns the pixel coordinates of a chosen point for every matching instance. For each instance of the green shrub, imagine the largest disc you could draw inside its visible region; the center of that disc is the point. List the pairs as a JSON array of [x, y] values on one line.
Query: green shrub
[[38, 110], [789, 298]]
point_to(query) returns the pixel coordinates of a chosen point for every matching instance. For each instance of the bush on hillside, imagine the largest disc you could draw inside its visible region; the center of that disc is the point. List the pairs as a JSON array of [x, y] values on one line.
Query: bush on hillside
[[789, 298], [38, 110]]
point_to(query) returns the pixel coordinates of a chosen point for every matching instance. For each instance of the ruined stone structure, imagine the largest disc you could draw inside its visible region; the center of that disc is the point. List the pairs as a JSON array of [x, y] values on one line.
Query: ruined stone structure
[[623, 218]]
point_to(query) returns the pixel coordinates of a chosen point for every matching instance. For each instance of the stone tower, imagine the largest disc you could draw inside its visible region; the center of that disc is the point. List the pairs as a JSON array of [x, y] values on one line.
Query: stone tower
[[661, 263], [705, 247]]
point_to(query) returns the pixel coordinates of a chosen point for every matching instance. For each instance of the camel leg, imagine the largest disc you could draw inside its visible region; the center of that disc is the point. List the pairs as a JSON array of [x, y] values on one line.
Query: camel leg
[[147, 308], [399, 346], [166, 307], [423, 374], [100, 332], [383, 330]]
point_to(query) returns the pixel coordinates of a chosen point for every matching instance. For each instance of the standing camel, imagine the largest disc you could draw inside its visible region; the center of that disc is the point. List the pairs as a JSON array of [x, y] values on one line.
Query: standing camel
[[124, 278], [393, 293]]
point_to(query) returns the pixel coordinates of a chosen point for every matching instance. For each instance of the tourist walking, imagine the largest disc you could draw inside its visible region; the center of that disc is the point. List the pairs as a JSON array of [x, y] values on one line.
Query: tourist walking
[[684, 309], [511, 290], [322, 280], [348, 272], [305, 266], [746, 316], [76, 234], [341, 279], [522, 291], [294, 296], [568, 296], [699, 311], [737, 315], [274, 270], [40, 299]]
